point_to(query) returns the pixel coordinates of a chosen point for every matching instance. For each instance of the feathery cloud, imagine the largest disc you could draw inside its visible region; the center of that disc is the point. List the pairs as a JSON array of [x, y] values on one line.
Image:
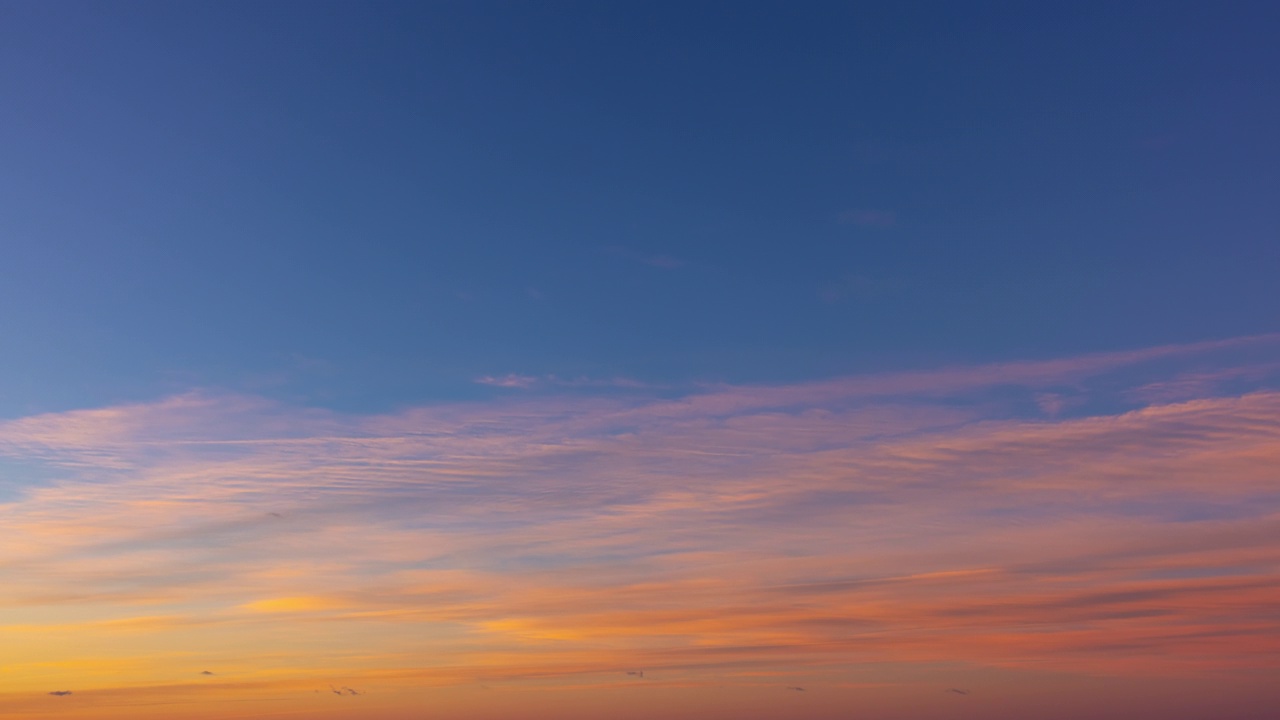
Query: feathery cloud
[[907, 519]]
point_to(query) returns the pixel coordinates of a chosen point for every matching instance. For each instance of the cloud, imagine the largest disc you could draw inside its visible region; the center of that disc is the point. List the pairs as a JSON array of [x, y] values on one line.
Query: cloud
[[510, 380], [958, 691], [851, 529], [613, 382], [61, 692], [515, 380], [1190, 385]]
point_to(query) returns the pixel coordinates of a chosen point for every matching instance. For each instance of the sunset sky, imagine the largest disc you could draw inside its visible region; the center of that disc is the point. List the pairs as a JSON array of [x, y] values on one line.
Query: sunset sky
[[706, 360]]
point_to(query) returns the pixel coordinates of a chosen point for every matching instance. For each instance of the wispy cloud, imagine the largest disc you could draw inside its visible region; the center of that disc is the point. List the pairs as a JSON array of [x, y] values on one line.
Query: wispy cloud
[[953, 516], [1190, 385], [515, 380], [510, 380]]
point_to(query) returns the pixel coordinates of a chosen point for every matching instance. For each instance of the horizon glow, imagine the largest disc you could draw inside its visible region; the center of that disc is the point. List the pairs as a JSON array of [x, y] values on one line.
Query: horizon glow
[[1102, 521], [499, 360]]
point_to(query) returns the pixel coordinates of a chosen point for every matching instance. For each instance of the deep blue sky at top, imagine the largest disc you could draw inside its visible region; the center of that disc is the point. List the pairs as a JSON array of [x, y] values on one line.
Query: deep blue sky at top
[[366, 205]]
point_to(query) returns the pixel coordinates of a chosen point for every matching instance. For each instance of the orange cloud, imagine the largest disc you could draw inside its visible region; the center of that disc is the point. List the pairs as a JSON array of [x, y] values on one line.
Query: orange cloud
[[838, 536]]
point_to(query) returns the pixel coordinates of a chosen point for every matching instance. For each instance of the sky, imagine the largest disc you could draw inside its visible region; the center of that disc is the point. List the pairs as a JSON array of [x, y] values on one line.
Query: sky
[[488, 360]]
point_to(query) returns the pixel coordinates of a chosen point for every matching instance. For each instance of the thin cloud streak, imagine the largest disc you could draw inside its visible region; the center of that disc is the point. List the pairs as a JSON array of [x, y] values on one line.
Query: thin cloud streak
[[909, 519]]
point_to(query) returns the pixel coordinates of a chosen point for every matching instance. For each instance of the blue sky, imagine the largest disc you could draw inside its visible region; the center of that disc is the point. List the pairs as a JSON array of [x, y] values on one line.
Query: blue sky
[[634, 360], [365, 206]]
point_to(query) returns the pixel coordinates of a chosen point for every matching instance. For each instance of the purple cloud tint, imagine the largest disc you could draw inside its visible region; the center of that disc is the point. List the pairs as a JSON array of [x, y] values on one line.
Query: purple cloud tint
[[909, 518]]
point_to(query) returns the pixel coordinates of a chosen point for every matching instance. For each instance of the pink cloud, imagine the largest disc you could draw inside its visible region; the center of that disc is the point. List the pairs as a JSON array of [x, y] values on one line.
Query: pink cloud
[[827, 529], [1190, 385], [510, 380]]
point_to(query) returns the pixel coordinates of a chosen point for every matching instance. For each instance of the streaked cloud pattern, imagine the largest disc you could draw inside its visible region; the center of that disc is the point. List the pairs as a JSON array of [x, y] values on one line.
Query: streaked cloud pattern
[[1050, 533]]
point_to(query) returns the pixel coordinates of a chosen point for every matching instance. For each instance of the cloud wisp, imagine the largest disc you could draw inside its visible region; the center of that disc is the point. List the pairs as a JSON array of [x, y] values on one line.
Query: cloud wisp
[[898, 520]]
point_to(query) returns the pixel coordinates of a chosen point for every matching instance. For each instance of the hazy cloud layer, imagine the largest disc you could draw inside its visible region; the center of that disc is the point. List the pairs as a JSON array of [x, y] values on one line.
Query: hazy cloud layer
[[733, 535]]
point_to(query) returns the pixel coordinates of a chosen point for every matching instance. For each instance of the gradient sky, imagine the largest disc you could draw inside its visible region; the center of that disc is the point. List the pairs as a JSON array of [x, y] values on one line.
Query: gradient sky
[[485, 361]]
